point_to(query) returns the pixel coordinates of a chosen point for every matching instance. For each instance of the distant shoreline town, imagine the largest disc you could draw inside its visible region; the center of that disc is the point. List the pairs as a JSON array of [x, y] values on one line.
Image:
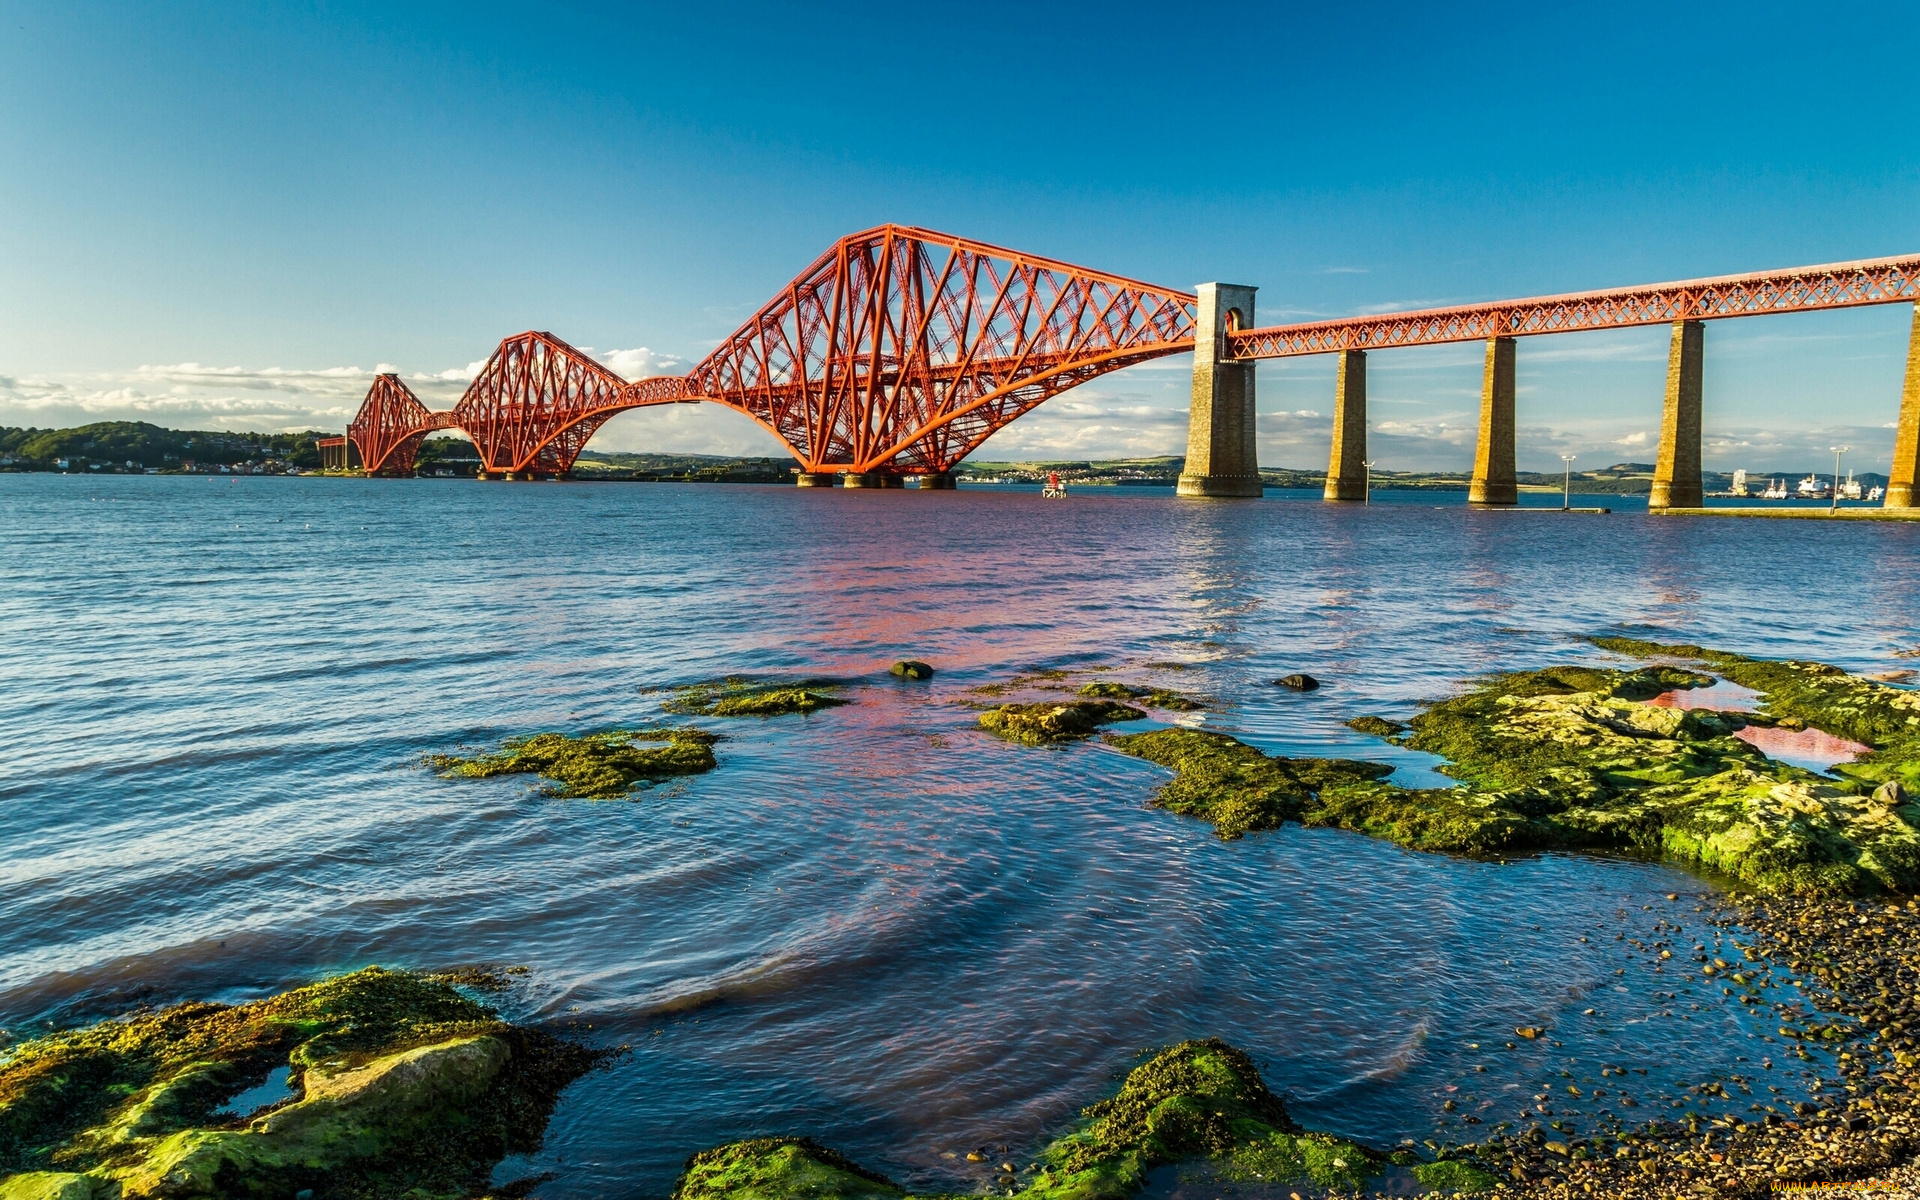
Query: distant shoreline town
[[136, 447]]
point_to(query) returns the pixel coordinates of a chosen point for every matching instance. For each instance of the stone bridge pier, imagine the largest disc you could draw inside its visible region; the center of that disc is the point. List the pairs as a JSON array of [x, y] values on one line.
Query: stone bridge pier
[[1494, 480], [1222, 457], [1901, 482]]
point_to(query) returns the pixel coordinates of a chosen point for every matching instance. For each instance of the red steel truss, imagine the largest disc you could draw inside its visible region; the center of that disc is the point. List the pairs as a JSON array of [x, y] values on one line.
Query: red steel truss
[[391, 424], [1838, 285], [898, 350], [901, 350], [535, 404]]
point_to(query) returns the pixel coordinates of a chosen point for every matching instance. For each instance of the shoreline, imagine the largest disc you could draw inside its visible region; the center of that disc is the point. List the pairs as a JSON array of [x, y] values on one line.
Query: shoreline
[[1816, 514]]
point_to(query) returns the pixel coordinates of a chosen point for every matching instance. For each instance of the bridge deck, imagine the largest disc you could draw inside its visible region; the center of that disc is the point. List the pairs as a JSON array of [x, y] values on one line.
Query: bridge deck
[[1799, 289]]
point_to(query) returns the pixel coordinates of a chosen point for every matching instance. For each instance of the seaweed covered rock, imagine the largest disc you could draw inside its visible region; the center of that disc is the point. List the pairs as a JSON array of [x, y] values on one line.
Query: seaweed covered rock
[[779, 1169], [1046, 723], [1229, 783], [594, 766], [1198, 1100], [911, 668], [1379, 727], [1439, 820], [1162, 698], [741, 697], [1800, 694], [1574, 756], [397, 1081]]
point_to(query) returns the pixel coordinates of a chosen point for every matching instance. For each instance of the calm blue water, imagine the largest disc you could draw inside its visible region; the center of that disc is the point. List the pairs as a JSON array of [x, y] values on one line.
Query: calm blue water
[[873, 925]]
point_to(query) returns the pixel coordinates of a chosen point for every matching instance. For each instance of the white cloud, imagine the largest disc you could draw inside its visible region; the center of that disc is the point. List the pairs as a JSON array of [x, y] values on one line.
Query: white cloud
[[190, 395], [1425, 410], [464, 374], [194, 376], [638, 363]]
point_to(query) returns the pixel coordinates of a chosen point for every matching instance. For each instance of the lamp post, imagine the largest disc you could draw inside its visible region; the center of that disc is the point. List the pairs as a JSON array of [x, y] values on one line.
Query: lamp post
[[1566, 484], [1366, 497], [1834, 506]]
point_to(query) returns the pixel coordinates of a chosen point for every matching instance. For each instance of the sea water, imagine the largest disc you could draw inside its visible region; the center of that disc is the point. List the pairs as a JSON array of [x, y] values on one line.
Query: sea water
[[873, 925]]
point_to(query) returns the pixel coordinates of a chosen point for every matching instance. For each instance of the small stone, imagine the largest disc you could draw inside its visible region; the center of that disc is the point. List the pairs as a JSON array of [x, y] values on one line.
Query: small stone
[[911, 668], [975, 1156], [1529, 1031], [1298, 682], [1890, 794]]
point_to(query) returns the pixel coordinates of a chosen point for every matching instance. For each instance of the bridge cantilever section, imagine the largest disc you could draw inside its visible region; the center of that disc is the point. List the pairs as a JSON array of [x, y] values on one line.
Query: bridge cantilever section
[[896, 352], [902, 349]]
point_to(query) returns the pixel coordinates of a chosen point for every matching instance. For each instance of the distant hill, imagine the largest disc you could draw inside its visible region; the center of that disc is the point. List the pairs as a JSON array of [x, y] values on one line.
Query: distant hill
[[137, 445], [682, 468], [108, 446]]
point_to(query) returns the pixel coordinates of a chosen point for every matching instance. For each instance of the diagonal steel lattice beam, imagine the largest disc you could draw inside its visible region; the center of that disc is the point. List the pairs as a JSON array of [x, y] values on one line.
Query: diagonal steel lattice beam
[[902, 350], [899, 349], [1798, 289]]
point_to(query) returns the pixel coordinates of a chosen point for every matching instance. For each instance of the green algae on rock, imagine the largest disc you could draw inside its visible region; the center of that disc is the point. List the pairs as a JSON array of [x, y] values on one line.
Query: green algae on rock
[[1574, 757], [1197, 1100], [592, 766], [1822, 696], [1161, 698], [737, 696], [1379, 727], [1229, 783], [778, 1168], [1046, 723], [398, 1082]]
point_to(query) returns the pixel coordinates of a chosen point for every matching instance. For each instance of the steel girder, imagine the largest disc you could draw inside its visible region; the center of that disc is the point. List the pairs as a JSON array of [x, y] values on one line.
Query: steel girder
[[535, 404], [1799, 289], [901, 349], [898, 350], [389, 427]]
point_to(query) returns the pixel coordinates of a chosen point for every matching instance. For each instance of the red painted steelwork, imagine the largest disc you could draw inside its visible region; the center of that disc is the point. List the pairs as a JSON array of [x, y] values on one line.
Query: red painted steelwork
[[898, 350], [1837, 285], [536, 402], [391, 424], [902, 349]]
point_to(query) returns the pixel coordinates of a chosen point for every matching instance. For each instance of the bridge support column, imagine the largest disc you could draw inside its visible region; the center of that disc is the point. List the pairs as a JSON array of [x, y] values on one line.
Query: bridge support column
[[815, 478], [1494, 481], [1676, 473], [1901, 484], [1222, 457], [872, 479], [1347, 467], [939, 481]]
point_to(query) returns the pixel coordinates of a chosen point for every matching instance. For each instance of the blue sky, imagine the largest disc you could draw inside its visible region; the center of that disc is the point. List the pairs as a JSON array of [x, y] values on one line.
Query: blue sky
[[231, 215]]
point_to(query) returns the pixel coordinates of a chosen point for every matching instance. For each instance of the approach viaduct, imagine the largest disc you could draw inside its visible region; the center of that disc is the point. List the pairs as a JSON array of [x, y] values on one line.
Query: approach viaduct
[[900, 350]]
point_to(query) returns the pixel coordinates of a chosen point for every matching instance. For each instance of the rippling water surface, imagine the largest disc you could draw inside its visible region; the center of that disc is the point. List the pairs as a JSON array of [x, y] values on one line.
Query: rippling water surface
[[873, 925]]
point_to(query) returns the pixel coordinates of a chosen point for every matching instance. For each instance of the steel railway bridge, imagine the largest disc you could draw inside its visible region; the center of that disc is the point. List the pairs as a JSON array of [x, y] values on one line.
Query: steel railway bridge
[[900, 350]]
